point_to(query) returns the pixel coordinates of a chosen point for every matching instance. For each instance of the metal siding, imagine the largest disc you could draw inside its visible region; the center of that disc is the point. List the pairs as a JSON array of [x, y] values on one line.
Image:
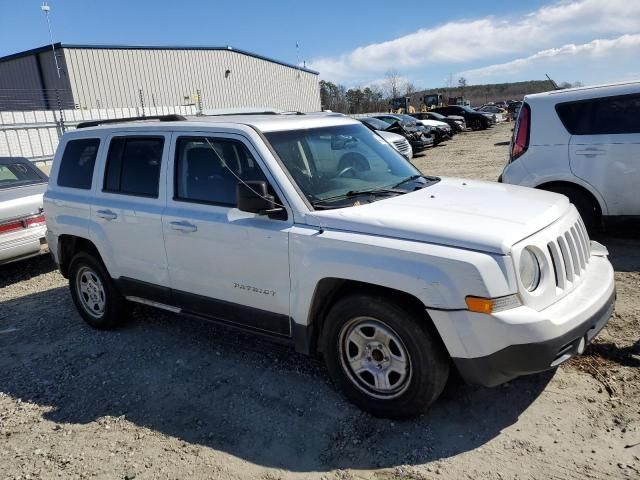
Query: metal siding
[[115, 76], [24, 87]]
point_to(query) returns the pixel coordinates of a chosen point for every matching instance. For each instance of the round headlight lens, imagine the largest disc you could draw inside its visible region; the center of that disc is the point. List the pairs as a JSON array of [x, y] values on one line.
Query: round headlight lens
[[529, 270]]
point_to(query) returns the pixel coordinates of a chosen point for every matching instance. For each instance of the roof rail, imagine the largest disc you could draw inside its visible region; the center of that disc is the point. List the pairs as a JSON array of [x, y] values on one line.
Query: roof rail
[[160, 118], [216, 112]]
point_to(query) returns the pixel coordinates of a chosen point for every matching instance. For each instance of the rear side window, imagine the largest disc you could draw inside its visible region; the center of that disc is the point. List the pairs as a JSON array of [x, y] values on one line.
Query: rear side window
[[601, 116], [78, 160], [133, 166]]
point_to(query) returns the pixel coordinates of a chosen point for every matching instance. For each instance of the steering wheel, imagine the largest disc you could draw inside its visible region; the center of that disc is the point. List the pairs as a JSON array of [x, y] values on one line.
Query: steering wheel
[[346, 170]]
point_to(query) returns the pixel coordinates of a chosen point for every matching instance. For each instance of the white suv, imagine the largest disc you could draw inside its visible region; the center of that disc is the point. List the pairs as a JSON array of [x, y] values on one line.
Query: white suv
[[583, 143], [313, 230]]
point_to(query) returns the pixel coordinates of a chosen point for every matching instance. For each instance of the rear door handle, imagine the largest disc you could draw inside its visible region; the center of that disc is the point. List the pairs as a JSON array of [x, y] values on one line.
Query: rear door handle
[[184, 226], [590, 151], [106, 214]]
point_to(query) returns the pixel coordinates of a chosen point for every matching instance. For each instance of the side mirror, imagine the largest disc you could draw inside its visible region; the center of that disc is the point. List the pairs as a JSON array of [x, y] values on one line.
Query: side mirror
[[254, 197]]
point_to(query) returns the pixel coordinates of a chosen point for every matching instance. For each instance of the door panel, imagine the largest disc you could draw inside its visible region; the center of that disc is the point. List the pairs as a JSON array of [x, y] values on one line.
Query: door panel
[[129, 226], [223, 262], [611, 163]]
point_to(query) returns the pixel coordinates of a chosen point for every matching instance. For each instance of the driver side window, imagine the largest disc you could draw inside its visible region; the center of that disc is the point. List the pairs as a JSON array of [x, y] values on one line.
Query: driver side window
[[208, 170]]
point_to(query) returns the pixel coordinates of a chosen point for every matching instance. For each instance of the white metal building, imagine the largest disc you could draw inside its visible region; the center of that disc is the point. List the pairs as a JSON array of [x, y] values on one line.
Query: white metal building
[[117, 76]]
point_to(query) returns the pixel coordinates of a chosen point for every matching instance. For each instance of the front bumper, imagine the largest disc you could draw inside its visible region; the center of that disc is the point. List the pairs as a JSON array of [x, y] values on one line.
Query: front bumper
[[517, 360], [418, 145], [492, 349]]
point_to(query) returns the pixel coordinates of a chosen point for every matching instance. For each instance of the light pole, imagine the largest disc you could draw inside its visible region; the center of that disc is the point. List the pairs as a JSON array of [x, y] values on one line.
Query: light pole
[[46, 9]]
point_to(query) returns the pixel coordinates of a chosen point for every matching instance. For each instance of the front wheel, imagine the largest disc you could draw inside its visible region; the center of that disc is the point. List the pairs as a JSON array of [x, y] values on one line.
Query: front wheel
[[476, 125], [383, 356]]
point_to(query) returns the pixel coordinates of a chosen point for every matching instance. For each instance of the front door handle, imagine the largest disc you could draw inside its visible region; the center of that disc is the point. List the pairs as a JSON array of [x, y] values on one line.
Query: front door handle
[[590, 151], [107, 214], [184, 226]]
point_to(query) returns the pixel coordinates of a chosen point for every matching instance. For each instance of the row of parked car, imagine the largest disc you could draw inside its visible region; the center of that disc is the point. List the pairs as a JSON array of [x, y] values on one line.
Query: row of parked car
[[416, 132]]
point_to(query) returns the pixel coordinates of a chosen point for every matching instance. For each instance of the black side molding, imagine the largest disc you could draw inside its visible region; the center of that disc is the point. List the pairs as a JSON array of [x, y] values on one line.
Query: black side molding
[[234, 314]]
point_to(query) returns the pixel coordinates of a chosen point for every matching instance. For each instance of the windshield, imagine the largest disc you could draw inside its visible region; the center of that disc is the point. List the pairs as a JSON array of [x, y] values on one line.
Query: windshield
[[400, 121], [436, 116], [17, 174], [408, 119], [376, 123], [468, 109], [342, 161]]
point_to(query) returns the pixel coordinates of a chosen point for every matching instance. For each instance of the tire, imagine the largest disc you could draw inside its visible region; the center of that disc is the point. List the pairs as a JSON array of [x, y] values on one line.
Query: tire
[[388, 334], [476, 124], [585, 204], [94, 293]]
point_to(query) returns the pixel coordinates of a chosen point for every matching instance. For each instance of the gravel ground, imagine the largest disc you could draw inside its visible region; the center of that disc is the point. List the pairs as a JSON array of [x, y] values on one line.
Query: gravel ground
[[170, 397]]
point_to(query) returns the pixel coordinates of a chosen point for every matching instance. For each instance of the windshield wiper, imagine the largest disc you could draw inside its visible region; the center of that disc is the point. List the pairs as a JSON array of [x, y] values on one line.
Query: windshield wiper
[[407, 180], [355, 193]]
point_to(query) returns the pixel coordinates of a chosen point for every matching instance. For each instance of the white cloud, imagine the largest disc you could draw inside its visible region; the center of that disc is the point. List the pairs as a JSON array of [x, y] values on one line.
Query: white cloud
[[611, 48], [484, 38]]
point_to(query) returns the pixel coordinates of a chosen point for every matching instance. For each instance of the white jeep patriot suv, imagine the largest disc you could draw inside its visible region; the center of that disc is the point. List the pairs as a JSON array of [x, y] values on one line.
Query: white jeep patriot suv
[[313, 230]]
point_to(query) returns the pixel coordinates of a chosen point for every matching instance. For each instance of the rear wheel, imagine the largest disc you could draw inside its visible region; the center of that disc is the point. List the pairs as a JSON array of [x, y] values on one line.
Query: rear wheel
[[94, 292], [383, 357], [584, 203]]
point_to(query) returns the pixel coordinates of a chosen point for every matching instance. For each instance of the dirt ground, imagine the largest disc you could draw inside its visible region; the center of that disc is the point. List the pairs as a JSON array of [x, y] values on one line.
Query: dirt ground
[[170, 397]]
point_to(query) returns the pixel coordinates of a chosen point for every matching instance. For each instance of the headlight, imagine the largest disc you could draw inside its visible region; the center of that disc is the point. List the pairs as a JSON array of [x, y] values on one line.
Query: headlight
[[529, 270]]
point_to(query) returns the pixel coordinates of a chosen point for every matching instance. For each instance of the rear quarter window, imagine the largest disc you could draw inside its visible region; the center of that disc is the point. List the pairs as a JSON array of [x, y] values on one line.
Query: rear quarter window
[[601, 116], [78, 160]]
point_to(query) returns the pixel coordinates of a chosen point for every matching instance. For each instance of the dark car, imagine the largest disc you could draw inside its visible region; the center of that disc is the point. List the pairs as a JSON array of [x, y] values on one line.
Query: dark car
[[474, 120], [456, 123], [409, 130], [438, 135], [514, 108]]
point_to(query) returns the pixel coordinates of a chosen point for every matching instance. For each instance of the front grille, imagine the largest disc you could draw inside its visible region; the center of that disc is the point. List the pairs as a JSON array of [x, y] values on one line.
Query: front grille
[[402, 145], [570, 253]]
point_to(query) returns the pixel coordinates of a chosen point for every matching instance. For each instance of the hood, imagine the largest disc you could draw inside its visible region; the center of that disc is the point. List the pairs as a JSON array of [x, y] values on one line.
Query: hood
[[21, 201], [390, 137], [434, 123], [456, 117], [472, 214]]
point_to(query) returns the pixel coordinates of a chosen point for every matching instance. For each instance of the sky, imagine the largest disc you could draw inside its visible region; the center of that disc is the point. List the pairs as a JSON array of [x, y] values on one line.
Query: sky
[[357, 42]]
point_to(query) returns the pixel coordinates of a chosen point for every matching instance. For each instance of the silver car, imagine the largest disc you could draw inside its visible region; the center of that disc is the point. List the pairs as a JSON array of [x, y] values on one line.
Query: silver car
[[22, 223]]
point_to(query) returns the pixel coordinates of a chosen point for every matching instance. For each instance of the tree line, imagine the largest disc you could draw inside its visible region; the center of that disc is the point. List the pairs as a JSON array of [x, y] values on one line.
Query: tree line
[[372, 98], [376, 97]]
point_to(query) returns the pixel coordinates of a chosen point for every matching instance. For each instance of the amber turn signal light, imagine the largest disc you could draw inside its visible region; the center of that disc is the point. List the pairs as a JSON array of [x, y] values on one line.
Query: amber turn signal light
[[479, 304]]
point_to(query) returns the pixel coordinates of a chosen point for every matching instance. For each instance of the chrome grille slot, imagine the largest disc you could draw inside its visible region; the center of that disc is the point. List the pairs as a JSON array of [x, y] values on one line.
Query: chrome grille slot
[[570, 254], [558, 264], [579, 248], [574, 255], [566, 258], [585, 239]]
